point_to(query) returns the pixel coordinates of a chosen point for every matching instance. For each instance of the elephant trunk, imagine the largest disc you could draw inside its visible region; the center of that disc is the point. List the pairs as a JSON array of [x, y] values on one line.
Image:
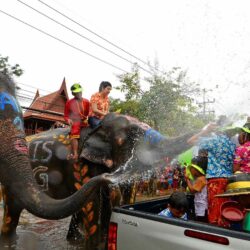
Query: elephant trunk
[[174, 146], [17, 176], [164, 146], [39, 204]]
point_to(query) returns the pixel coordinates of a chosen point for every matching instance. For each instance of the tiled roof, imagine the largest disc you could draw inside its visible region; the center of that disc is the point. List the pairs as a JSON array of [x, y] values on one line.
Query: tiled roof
[[42, 116], [53, 102]]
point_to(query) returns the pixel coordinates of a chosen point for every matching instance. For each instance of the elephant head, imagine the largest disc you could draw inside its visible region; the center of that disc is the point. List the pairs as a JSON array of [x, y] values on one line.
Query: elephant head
[[119, 141], [125, 140], [15, 170]]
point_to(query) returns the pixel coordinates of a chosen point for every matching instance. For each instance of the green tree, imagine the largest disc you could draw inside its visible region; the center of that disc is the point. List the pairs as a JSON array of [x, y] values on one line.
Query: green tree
[[7, 69], [130, 86], [168, 105], [129, 107]]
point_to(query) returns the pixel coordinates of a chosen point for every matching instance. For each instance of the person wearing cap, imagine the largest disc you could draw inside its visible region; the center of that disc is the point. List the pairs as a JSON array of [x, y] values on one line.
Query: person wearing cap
[[242, 153], [198, 187], [76, 115], [220, 149], [99, 104]]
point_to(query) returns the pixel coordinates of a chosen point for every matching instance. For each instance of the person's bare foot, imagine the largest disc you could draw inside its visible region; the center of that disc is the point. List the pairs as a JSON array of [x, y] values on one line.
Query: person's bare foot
[[108, 162]]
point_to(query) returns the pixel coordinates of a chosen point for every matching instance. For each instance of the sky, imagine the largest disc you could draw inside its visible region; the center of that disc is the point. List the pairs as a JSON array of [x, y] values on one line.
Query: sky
[[208, 38]]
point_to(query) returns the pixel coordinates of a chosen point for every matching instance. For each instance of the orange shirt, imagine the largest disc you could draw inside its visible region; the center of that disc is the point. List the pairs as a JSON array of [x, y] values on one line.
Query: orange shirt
[[102, 104]]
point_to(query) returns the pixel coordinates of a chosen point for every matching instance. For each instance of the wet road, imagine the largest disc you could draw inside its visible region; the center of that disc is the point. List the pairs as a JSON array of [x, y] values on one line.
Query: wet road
[[39, 234]]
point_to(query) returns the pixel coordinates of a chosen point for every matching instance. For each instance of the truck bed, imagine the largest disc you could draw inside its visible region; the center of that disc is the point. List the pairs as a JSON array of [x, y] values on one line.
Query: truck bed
[[140, 227]]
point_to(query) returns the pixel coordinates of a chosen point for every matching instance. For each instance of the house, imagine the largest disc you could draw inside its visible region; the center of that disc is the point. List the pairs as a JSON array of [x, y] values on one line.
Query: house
[[46, 111]]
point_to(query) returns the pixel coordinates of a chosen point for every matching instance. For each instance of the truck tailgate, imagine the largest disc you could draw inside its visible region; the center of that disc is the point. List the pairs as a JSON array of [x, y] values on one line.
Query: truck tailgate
[[153, 232]]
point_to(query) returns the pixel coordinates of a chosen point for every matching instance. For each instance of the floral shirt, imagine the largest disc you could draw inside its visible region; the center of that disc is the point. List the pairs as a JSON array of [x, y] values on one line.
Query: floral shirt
[[102, 104], [167, 213], [242, 157], [220, 155]]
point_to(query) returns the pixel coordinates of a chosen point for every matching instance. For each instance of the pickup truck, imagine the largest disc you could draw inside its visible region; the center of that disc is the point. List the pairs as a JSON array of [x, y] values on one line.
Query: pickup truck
[[138, 226]]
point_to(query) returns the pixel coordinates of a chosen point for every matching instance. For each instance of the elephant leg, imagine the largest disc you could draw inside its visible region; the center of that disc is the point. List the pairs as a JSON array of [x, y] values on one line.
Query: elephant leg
[[85, 225], [96, 220], [75, 231], [108, 201], [133, 193], [11, 214], [115, 196], [91, 224], [76, 227]]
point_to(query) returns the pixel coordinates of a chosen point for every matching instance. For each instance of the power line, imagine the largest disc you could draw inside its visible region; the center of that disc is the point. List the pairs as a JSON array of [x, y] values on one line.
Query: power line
[[32, 97], [32, 92], [27, 98], [28, 91], [101, 37], [27, 85], [82, 36], [62, 41]]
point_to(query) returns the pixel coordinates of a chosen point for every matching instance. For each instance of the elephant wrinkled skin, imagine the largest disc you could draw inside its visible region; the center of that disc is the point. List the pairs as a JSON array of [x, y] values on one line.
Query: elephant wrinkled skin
[[119, 141], [16, 175]]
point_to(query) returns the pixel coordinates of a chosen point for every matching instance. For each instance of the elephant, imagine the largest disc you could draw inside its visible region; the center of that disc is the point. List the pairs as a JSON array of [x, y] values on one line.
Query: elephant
[[121, 146], [20, 189]]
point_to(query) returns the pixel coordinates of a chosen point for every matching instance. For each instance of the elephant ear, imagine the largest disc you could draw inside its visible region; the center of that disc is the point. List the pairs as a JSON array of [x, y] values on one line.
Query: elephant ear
[[97, 148]]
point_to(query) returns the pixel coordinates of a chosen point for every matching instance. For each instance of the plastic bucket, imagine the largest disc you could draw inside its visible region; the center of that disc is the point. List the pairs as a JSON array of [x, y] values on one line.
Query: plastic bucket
[[246, 221]]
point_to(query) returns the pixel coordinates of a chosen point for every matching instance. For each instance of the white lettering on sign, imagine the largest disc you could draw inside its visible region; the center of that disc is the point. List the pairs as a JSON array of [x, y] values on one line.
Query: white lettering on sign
[[44, 147], [40, 173]]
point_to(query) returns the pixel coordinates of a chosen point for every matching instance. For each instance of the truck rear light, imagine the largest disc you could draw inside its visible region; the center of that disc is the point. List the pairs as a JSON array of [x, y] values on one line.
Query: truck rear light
[[112, 239], [207, 237]]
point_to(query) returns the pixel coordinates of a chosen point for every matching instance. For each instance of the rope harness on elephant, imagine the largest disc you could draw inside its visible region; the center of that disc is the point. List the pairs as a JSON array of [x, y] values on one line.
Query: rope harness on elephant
[[100, 207], [85, 136]]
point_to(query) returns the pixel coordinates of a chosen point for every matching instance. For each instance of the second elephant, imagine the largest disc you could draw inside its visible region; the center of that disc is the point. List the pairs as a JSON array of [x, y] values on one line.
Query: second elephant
[[121, 144]]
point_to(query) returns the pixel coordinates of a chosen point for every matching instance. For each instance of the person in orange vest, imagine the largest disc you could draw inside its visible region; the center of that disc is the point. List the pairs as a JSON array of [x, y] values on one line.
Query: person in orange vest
[[76, 115]]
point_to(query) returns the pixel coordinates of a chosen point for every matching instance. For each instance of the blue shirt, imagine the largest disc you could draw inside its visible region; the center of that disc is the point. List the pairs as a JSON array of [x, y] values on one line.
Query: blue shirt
[[220, 155], [166, 212]]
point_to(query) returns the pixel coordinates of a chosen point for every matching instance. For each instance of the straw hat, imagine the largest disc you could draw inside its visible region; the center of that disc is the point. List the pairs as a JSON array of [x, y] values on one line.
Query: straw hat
[[239, 184]]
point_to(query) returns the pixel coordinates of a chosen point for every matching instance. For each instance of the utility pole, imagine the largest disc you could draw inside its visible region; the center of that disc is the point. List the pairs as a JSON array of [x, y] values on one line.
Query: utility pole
[[205, 102]]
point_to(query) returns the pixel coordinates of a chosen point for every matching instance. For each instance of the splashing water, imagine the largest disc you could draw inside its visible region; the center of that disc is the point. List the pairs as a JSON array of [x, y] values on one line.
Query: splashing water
[[151, 162]]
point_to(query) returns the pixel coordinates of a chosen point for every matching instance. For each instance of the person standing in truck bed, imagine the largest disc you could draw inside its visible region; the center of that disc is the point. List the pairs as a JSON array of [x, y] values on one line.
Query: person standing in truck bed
[[220, 151], [198, 187]]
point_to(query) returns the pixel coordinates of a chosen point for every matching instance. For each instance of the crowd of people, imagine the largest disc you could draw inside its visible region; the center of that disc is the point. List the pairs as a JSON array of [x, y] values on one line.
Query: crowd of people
[[219, 177], [162, 181]]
